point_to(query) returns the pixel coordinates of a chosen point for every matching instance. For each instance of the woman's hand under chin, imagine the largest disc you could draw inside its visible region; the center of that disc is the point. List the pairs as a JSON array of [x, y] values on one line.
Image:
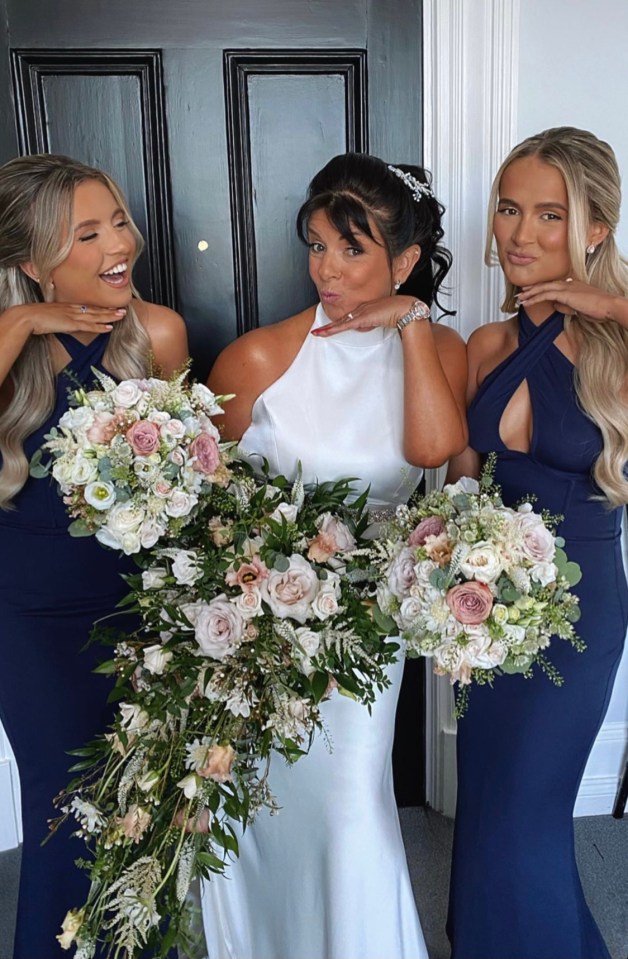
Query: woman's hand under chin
[[573, 296], [368, 316]]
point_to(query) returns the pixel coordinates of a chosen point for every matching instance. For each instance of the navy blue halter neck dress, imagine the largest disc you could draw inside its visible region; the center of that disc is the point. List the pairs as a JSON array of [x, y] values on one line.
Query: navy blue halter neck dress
[[523, 745], [52, 589]]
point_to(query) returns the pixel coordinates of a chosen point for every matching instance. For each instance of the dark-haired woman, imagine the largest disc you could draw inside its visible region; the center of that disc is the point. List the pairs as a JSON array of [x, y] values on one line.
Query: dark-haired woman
[[361, 385]]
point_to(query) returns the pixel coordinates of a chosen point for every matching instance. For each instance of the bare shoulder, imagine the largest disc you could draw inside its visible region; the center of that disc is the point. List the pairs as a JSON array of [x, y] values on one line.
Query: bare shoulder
[[492, 336], [260, 356], [488, 345], [167, 332]]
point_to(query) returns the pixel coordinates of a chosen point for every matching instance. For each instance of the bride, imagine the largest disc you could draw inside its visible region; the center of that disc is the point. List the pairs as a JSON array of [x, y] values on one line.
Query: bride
[[362, 385]]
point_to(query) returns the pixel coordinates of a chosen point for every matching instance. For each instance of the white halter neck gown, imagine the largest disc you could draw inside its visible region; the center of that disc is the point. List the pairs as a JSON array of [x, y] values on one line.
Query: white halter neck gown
[[327, 877]]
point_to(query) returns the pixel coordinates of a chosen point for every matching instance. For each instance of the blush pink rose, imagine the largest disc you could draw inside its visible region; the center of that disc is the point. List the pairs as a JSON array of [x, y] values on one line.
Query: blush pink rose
[[218, 764], [470, 603], [143, 437], [198, 823], [431, 526], [205, 453], [103, 428]]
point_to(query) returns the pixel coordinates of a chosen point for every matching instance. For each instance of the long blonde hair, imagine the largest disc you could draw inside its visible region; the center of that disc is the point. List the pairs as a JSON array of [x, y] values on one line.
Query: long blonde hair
[[36, 202], [589, 168]]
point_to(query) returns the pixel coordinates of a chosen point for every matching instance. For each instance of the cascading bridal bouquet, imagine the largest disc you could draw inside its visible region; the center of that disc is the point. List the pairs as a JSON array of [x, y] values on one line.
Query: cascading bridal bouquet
[[247, 624], [135, 458], [479, 587]]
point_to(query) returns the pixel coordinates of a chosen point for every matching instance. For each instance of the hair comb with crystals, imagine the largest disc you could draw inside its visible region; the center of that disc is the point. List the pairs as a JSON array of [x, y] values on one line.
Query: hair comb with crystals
[[415, 186]]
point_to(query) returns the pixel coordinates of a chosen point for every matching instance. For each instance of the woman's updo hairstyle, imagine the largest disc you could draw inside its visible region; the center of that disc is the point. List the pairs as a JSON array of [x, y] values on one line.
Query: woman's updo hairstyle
[[355, 187]]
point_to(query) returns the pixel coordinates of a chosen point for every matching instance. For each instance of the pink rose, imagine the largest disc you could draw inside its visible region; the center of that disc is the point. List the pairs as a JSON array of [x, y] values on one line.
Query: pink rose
[[205, 453], [290, 593], [103, 428], [470, 603], [322, 548], [199, 823], [538, 542], [218, 626], [143, 437], [218, 764], [333, 537], [431, 526]]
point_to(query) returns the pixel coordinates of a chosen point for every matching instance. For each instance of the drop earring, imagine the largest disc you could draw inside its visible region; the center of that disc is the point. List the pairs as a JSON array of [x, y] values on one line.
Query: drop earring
[[397, 285], [590, 249]]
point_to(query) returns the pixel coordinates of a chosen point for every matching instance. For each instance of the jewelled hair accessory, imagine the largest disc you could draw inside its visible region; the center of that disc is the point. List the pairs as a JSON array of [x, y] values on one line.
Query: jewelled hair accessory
[[415, 186]]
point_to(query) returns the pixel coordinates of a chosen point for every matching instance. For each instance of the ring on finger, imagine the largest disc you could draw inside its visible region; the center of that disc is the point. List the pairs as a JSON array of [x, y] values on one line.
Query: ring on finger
[[569, 279], [349, 316], [83, 309]]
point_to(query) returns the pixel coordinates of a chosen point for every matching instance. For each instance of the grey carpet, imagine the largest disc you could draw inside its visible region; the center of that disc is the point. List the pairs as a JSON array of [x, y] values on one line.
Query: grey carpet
[[602, 847]]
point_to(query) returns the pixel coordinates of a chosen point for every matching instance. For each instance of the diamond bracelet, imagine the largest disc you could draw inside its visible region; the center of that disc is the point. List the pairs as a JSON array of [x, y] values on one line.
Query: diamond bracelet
[[418, 311]]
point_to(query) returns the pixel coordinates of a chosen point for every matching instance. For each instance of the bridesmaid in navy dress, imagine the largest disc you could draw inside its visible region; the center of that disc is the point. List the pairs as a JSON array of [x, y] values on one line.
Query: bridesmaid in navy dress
[[67, 248], [545, 394]]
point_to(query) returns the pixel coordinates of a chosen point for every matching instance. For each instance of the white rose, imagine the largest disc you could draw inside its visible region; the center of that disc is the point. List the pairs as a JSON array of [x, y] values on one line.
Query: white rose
[[126, 394], [287, 510], [125, 517], [464, 485], [130, 542], [180, 503], [410, 609], [78, 419], [133, 717], [537, 541], [401, 574], [218, 626], [150, 533], [156, 658], [339, 531], [325, 604], [107, 538], [206, 398], [544, 573], [158, 417], [83, 471], [290, 594], [100, 495], [308, 640], [177, 456], [173, 428], [249, 603], [185, 567], [482, 563], [62, 472], [154, 578]]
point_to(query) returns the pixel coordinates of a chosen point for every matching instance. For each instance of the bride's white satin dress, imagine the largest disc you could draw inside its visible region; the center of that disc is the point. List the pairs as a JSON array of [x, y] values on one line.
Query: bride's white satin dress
[[327, 877]]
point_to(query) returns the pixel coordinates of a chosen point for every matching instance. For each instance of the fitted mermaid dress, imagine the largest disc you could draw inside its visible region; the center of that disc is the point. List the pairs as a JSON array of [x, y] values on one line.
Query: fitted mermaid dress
[[523, 745], [52, 589], [327, 877]]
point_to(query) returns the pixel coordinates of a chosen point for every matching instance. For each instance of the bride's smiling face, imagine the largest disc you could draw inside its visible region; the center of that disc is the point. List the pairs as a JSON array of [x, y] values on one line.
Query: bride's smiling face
[[347, 273]]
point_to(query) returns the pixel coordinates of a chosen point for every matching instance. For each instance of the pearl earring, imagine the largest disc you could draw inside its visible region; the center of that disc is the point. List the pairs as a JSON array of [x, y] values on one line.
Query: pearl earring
[[591, 249], [397, 284]]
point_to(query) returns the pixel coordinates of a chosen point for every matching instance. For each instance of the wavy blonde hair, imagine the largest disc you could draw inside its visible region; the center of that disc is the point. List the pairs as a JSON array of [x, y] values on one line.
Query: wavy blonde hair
[[589, 168], [36, 204]]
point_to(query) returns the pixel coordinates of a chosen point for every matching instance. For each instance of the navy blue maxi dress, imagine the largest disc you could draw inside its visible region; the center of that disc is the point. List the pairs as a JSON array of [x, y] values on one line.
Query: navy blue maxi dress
[[523, 745], [52, 589]]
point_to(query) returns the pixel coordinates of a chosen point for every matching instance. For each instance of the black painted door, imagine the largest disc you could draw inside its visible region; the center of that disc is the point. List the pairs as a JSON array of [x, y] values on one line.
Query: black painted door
[[213, 115]]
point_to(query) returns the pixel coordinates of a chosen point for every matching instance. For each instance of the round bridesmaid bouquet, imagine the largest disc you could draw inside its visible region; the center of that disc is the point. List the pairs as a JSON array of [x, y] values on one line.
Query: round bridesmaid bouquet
[[135, 458], [477, 586], [244, 626]]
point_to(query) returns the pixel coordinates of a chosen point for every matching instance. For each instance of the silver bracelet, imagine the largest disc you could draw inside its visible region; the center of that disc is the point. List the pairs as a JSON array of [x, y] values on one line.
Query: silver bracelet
[[418, 311]]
